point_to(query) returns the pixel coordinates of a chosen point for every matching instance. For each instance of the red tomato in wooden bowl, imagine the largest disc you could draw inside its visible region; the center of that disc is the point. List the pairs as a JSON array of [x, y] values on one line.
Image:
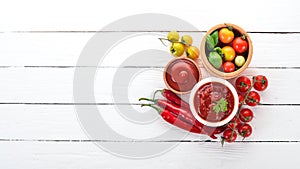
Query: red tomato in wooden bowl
[[228, 67], [240, 44]]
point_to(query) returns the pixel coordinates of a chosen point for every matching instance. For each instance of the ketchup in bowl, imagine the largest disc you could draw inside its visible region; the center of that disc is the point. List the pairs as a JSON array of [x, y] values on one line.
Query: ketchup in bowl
[[181, 75], [208, 96], [214, 101]]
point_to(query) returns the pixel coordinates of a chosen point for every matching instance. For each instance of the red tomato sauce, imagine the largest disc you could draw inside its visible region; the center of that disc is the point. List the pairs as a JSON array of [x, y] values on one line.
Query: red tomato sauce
[[182, 75], [206, 98]]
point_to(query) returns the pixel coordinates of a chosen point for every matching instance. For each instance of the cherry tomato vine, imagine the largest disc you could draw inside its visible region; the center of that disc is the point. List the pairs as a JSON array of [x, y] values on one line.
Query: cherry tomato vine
[[245, 115]]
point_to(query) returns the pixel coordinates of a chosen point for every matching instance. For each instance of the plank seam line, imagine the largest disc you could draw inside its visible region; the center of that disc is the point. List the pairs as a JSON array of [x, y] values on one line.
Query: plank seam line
[[143, 141], [162, 31], [134, 104], [156, 67]]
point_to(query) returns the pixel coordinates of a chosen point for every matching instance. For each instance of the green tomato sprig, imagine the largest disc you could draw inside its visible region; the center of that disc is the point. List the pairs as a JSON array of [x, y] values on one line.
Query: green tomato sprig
[[178, 48]]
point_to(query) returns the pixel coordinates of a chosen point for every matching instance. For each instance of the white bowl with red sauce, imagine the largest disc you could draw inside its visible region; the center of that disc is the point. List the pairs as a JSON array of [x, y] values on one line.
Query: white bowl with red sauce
[[208, 101]]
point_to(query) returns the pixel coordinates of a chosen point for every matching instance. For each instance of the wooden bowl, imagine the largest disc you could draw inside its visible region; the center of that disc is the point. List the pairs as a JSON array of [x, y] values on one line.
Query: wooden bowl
[[220, 73], [167, 74]]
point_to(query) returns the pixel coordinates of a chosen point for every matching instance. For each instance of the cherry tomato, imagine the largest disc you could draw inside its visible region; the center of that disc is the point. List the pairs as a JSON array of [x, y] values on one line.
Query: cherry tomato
[[261, 83], [239, 61], [187, 40], [177, 49], [240, 44], [226, 35], [229, 135], [245, 130], [246, 115], [243, 84], [228, 67], [192, 52], [241, 98], [173, 36], [234, 123], [253, 98], [229, 53]]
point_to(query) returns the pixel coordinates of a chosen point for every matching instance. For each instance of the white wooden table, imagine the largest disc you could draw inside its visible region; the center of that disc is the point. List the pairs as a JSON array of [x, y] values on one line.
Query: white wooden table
[[40, 43]]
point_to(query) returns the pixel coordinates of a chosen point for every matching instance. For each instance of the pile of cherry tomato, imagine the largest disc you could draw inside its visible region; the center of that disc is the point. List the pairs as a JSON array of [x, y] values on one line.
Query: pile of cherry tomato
[[182, 45], [227, 49], [239, 124]]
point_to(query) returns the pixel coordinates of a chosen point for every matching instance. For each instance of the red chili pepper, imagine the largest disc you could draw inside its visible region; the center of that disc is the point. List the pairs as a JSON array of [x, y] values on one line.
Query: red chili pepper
[[172, 119], [211, 131], [185, 115], [168, 94], [181, 113], [220, 129]]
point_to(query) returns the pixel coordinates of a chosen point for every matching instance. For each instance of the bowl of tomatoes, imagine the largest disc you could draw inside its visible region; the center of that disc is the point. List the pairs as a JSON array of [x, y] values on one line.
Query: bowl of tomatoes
[[226, 50]]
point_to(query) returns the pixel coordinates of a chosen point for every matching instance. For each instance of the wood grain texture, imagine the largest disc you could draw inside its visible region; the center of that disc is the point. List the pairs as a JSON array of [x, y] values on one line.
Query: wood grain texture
[[64, 49], [59, 122], [86, 155], [278, 16], [55, 85]]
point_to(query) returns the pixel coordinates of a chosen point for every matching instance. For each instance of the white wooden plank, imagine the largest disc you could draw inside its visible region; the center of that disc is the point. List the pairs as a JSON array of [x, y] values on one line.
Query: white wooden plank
[[50, 155], [63, 49], [51, 85], [35, 48], [258, 15], [59, 122]]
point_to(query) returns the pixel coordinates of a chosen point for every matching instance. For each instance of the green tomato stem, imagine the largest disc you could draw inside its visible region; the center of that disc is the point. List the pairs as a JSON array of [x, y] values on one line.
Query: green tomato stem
[[162, 41], [228, 27], [243, 37]]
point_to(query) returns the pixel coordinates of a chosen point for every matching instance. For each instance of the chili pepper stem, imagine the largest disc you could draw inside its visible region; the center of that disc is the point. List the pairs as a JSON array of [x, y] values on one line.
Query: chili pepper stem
[[159, 110], [161, 91], [151, 100]]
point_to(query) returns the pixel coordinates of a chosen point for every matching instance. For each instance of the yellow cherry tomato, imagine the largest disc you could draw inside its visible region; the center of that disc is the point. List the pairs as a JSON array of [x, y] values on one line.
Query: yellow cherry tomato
[[177, 49], [187, 40], [239, 61], [229, 53], [173, 36], [226, 35], [192, 52]]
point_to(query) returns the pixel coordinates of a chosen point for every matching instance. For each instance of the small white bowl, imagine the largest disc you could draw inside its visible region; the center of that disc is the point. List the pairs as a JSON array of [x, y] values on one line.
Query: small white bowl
[[229, 86]]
